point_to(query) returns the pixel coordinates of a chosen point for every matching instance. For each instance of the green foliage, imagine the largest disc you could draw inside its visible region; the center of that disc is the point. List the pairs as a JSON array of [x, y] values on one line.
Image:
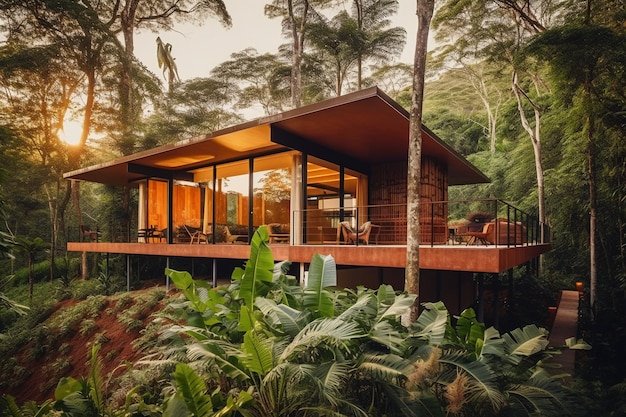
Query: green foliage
[[8, 407], [353, 355], [41, 272]]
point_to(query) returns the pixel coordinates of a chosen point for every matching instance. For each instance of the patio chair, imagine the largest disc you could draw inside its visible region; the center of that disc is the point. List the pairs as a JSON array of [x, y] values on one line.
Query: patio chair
[[87, 233], [197, 234], [483, 236], [230, 238], [351, 236], [278, 233]]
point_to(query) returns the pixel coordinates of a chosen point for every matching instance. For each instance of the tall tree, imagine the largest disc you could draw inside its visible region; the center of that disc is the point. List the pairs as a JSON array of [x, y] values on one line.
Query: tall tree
[[583, 56], [296, 16], [497, 31], [257, 79], [38, 95], [425, 9], [153, 15], [80, 37], [376, 40], [337, 41], [195, 107]]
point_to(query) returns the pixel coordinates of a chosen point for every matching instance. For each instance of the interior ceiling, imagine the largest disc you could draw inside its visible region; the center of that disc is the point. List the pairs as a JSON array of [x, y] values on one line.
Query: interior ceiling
[[365, 126]]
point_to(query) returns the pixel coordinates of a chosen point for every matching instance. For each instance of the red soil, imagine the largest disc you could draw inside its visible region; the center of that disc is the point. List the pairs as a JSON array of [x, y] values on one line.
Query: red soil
[[114, 354]]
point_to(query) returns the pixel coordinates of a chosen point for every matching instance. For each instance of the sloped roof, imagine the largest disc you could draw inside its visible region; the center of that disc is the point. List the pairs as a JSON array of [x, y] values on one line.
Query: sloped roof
[[360, 129]]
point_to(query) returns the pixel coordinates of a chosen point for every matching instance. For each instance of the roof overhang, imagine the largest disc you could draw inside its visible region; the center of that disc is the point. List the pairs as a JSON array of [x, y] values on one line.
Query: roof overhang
[[359, 130]]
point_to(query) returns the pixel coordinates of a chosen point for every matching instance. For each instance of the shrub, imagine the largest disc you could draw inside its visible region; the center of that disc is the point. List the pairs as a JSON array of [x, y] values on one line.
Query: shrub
[[41, 272]]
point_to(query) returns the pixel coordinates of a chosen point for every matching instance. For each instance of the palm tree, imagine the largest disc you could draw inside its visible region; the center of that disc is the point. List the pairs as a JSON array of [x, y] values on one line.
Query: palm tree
[[32, 249], [377, 40]]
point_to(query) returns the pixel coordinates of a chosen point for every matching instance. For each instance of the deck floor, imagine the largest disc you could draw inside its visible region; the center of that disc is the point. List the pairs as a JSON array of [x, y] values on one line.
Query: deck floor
[[565, 326]]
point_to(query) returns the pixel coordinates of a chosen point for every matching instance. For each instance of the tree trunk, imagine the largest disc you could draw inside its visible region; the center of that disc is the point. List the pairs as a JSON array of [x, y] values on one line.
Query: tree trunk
[[592, 213], [535, 138], [127, 106], [297, 35], [412, 275]]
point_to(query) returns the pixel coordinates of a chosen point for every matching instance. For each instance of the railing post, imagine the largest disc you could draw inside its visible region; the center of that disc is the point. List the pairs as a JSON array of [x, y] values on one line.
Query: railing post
[[432, 224], [497, 228]]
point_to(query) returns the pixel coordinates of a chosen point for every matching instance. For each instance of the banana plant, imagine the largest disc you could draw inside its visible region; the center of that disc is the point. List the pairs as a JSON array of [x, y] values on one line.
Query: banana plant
[[320, 350]]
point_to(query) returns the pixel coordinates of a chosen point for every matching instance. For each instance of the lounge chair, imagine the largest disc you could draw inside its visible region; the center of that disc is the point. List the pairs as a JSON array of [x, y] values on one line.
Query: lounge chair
[[362, 234], [230, 238], [483, 236], [197, 234]]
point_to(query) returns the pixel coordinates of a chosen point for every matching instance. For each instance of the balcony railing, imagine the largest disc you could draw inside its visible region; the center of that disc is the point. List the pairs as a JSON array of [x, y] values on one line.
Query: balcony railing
[[476, 222], [479, 222]]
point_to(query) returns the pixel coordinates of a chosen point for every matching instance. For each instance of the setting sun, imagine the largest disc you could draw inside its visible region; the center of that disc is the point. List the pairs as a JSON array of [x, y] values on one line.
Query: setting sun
[[71, 131]]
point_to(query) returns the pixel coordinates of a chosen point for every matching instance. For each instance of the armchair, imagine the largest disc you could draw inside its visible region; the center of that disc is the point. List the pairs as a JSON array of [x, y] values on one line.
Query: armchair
[[361, 235]]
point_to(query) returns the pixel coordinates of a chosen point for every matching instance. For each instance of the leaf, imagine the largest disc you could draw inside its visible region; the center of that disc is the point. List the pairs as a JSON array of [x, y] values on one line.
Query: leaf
[[257, 353], [212, 350], [577, 344], [520, 343], [182, 279], [431, 324], [176, 407], [322, 274], [385, 367], [283, 317], [193, 391], [492, 344], [387, 335], [246, 319], [401, 304], [468, 328], [333, 333], [484, 382], [365, 307], [65, 387], [259, 268], [540, 395]]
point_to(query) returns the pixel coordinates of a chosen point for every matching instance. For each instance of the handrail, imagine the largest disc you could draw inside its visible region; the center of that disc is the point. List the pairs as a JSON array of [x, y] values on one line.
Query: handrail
[[513, 226], [441, 223]]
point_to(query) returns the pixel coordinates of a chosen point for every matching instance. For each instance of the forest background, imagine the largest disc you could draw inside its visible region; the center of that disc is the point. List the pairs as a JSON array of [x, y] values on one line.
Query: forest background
[[533, 93]]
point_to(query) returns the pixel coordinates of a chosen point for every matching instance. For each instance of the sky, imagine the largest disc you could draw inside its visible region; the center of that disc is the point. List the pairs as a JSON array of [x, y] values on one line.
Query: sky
[[198, 49]]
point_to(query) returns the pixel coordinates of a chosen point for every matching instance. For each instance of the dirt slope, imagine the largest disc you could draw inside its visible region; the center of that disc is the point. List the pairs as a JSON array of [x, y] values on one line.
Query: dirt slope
[[116, 325]]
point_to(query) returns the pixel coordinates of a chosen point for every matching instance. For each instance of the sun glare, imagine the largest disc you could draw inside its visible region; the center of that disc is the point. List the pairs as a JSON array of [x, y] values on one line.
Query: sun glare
[[71, 132]]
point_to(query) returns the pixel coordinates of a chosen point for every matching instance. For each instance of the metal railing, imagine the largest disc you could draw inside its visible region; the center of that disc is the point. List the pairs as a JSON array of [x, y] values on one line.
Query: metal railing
[[441, 223]]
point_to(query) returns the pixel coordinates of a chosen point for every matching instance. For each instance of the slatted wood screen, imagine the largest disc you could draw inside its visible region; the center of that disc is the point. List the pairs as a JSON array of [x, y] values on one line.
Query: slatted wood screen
[[387, 189]]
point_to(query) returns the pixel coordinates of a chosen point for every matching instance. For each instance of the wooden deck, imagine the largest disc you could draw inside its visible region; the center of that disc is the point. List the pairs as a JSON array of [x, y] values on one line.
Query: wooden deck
[[565, 326], [491, 259]]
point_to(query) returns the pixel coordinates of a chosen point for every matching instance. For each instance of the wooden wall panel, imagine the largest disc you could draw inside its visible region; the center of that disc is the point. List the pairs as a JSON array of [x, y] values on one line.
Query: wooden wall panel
[[387, 192]]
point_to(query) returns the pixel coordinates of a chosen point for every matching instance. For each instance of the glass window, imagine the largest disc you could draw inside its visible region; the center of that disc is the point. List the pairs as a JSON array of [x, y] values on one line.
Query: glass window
[[272, 190], [231, 201], [186, 210], [157, 205]]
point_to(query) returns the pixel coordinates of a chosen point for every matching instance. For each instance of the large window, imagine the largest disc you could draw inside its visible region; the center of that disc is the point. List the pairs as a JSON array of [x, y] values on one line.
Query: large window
[[272, 189], [226, 202], [157, 205], [231, 193], [186, 204], [332, 198]]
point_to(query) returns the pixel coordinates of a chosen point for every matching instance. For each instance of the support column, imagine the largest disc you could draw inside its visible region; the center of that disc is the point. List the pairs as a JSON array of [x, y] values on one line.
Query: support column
[[496, 300], [214, 272], [480, 314]]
